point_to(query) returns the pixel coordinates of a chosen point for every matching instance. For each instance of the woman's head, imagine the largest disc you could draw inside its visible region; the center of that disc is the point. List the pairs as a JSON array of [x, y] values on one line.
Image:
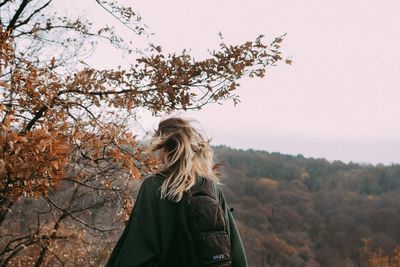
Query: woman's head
[[184, 153]]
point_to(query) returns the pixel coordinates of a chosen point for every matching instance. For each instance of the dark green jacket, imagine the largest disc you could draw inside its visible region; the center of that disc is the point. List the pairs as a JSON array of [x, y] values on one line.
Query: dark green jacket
[[149, 235]]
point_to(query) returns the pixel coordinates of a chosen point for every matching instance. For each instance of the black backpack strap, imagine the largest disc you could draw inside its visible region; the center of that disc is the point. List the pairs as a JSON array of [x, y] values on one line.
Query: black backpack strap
[[204, 188], [187, 242]]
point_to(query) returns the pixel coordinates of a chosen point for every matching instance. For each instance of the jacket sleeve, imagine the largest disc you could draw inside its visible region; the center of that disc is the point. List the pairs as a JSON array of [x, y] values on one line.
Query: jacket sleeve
[[135, 248], [238, 254]]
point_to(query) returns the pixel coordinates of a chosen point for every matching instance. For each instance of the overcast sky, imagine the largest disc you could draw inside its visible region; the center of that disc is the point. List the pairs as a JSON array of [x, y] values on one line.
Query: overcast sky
[[340, 98]]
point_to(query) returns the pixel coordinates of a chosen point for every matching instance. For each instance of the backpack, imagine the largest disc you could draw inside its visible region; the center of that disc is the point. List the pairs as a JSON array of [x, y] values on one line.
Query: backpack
[[204, 227]]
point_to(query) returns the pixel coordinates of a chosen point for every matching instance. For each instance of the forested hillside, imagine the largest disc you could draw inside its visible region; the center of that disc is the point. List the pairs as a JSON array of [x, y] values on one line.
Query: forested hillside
[[290, 210], [297, 211]]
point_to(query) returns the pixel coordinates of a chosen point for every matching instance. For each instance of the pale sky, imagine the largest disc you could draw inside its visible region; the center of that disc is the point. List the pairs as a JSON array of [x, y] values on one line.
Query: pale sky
[[340, 98]]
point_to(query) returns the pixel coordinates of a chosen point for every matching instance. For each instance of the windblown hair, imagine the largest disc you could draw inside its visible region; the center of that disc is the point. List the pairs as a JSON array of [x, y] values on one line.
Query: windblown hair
[[187, 155]]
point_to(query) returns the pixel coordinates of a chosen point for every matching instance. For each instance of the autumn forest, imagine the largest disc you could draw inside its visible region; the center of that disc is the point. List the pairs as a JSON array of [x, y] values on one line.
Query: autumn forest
[[290, 210], [297, 211], [71, 163]]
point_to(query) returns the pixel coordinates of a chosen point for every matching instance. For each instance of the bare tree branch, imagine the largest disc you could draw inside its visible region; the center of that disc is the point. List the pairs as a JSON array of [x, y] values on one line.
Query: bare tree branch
[[32, 15], [13, 21]]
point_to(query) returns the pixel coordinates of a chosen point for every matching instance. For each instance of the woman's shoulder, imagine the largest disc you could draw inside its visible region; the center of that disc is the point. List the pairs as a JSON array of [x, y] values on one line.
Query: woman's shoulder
[[152, 180]]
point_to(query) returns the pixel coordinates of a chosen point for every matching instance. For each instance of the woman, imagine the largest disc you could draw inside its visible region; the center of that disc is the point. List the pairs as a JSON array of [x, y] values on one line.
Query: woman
[[151, 235]]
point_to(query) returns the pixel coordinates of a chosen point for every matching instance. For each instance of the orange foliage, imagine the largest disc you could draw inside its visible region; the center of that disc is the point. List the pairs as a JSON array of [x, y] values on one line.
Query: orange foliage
[[32, 163], [379, 258], [268, 182]]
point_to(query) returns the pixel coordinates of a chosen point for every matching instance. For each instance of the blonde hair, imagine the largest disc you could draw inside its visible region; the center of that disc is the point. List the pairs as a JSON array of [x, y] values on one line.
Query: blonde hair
[[188, 154]]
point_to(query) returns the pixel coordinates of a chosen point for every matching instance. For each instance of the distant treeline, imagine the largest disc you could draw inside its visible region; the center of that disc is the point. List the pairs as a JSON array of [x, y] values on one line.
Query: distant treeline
[[297, 211]]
